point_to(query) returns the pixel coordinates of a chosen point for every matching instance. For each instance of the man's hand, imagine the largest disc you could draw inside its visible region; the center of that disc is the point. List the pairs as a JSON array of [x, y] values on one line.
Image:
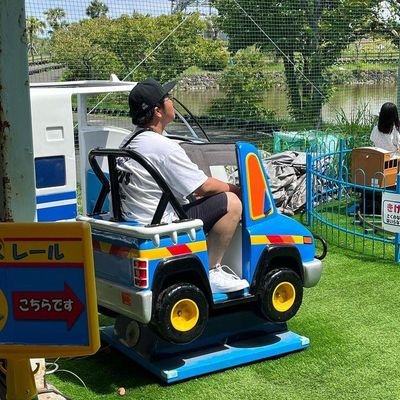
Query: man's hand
[[213, 186]]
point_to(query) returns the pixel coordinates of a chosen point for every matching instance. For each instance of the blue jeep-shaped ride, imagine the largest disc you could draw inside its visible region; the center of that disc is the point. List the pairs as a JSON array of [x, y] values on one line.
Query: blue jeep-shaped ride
[[157, 275]]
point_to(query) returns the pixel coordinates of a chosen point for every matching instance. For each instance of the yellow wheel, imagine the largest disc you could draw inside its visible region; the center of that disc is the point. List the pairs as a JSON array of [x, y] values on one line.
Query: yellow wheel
[[184, 315], [284, 296], [281, 295], [181, 313]]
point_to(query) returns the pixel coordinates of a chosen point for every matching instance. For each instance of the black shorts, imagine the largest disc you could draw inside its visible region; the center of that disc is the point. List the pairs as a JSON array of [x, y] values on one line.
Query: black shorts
[[208, 209]]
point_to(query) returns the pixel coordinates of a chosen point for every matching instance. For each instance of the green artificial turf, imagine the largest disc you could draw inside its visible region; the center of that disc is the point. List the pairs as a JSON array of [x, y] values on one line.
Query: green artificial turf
[[351, 318]]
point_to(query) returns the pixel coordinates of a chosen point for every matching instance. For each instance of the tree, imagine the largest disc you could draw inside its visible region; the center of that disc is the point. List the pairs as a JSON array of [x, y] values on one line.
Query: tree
[[136, 47], [34, 26], [309, 35], [82, 47], [96, 9], [244, 83], [55, 19]]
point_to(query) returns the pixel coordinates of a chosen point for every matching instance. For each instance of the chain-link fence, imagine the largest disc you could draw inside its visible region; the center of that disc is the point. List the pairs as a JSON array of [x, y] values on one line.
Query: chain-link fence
[[245, 68]]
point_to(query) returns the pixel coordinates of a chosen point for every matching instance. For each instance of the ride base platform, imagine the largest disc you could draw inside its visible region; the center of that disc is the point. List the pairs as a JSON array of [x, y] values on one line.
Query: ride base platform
[[228, 341]]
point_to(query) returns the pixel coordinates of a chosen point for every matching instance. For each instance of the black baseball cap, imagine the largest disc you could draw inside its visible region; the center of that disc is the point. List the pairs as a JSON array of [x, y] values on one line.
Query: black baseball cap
[[146, 94]]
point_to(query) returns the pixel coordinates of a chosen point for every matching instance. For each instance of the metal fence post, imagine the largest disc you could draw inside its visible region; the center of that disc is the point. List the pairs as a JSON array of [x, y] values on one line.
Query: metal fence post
[[309, 196], [397, 235], [340, 172]]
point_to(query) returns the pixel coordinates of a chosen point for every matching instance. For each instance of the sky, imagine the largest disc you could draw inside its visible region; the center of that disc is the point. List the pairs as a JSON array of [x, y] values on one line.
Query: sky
[[76, 9]]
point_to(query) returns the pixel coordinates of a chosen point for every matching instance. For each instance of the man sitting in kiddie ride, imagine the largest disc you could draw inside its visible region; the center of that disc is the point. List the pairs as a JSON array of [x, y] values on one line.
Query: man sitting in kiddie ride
[[216, 203]]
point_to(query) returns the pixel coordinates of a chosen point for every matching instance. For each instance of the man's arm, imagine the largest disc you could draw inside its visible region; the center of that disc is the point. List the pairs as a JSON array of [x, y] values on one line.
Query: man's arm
[[213, 186]]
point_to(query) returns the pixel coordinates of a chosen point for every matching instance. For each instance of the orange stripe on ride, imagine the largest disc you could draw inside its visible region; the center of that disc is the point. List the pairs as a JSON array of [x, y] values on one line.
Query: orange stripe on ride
[[179, 249], [127, 252]]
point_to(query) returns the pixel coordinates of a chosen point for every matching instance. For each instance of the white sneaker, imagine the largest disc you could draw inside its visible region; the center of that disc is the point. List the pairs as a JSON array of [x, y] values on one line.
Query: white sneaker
[[224, 280]]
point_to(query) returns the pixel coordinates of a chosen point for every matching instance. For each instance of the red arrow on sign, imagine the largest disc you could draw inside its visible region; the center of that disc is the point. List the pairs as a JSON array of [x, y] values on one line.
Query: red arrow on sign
[[47, 306]]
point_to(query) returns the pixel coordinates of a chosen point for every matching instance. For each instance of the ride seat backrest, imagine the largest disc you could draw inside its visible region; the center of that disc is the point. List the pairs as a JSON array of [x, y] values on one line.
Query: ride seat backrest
[[103, 137], [92, 137], [212, 157]]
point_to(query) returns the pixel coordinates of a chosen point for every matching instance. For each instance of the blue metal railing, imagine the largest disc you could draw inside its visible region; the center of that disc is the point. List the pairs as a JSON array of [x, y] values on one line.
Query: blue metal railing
[[344, 212]]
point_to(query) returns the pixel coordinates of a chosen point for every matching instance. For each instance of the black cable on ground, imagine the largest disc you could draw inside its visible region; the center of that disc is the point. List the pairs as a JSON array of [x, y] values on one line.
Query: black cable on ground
[[324, 247]]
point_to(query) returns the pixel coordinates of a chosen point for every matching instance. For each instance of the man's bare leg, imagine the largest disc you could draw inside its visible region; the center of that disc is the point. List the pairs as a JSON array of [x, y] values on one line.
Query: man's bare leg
[[221, 234]]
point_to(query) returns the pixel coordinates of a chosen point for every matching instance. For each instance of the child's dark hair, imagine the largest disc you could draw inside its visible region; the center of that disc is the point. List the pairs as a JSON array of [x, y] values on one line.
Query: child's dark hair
[[388, 117]]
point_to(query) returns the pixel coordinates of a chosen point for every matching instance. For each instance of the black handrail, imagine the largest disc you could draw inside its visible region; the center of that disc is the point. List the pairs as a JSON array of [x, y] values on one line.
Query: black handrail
[[113, 185], [193, 117]]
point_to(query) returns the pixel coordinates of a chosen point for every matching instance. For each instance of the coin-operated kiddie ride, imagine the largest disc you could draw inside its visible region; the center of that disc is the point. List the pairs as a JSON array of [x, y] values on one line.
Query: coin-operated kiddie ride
[[154, 279]]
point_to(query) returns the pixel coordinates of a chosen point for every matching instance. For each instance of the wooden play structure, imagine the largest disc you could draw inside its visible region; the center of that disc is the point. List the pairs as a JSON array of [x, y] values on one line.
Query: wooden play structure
[[372, 166]]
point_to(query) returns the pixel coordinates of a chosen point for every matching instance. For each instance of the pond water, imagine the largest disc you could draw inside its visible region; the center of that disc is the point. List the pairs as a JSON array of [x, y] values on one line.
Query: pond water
[[350, 98]]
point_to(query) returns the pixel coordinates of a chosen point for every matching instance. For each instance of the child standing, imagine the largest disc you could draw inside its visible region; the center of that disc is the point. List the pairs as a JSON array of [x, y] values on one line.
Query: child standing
[[386, 134]]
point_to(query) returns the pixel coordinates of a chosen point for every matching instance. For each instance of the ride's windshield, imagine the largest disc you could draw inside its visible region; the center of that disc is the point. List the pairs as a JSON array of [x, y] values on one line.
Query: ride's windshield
[[185, 125]]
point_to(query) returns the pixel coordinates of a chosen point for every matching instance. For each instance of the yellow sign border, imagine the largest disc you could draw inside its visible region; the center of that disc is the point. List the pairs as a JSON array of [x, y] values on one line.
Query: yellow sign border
[[60, 229]]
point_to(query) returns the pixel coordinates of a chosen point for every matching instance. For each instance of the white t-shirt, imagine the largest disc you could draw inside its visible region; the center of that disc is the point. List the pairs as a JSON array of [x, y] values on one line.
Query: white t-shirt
[[386, 141], [139, 193]]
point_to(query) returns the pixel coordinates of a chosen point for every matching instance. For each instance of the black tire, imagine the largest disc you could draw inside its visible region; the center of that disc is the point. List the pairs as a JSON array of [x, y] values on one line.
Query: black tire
[[281, 295], [181, 313], [127, 331]]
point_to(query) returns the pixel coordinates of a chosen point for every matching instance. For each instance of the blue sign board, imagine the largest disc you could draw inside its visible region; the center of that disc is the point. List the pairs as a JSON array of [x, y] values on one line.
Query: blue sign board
[[47, 290]]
